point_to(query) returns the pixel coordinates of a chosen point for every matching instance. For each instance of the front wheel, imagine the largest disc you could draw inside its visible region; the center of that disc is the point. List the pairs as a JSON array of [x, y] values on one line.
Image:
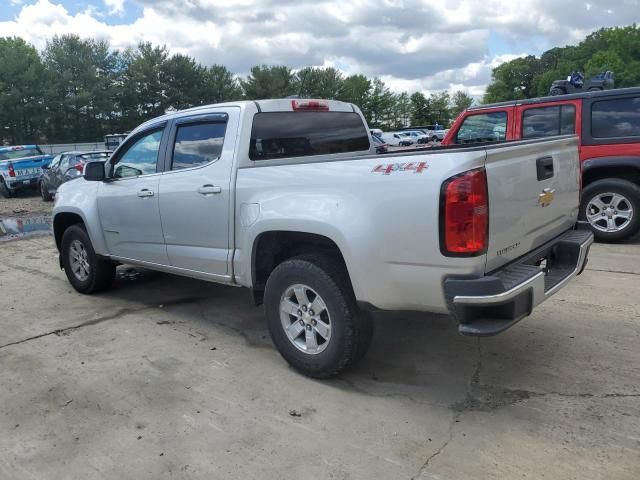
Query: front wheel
[[86, 272], [612, 208], [44, 193], [4, 190], [313, 318]]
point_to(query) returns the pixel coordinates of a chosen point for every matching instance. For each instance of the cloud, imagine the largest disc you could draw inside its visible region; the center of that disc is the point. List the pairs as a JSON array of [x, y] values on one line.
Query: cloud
[[411, 44], [116, 7]]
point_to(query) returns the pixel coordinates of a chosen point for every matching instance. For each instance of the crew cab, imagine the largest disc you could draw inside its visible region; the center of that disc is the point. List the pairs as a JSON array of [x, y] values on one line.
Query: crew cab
[[20, 167], [289, 199], [607, 124]]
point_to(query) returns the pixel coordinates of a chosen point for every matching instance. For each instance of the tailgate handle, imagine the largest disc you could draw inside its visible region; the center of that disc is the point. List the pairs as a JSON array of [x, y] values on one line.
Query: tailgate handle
[[544, 165]]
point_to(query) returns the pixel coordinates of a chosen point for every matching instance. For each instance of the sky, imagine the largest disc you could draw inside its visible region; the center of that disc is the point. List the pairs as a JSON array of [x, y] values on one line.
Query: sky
[[413, 45]]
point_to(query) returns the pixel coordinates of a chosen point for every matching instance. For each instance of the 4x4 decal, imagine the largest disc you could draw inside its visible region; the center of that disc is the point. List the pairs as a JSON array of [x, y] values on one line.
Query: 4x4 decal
[[416, 167]]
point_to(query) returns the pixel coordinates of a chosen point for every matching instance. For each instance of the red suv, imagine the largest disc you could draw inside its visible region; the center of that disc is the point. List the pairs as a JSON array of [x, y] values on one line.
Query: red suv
[[608, 126]]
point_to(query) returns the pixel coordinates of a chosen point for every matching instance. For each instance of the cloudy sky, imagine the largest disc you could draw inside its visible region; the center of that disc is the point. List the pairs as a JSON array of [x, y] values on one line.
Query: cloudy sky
[[412, 45]]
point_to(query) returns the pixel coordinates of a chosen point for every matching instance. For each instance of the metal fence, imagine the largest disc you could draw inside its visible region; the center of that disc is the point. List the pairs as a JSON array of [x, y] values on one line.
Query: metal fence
[[56, 148]]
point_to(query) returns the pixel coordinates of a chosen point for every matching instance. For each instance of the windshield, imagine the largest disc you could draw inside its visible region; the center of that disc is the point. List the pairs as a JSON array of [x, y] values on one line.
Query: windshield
[[20, 152]]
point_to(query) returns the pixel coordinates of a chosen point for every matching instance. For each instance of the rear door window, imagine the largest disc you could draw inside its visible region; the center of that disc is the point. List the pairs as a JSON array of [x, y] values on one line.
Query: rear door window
[[616, 118], [301, 134], [548, 121], [198, 144], [483, 127]]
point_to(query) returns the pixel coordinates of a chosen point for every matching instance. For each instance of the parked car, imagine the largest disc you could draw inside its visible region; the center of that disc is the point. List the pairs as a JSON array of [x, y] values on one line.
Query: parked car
[[607, 124], [396, 139], [65, 167], [322, 235], [20, 167], [381, 146], [417, 135]]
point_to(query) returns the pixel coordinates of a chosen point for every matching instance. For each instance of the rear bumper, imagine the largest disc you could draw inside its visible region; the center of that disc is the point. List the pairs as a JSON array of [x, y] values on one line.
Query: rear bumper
[[22, 183], [491, 304]]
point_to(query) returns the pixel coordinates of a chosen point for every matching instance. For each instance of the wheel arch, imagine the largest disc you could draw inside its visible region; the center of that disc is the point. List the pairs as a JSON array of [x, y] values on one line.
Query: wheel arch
[[625, 168], [272, 247]]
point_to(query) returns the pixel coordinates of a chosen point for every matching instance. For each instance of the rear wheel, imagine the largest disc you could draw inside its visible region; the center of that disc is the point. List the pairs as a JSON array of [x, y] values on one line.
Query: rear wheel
[[313, 317], [4, 190], [557, 91], [612, 208], [595, 89], [86, 272], [44, 192]]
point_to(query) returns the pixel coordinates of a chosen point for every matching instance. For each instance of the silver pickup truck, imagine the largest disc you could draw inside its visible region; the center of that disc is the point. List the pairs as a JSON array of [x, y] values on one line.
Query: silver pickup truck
[[287, 198]]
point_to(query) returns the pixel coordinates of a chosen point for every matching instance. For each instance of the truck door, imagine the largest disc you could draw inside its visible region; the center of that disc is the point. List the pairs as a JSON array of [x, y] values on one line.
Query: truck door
[[128, 202], [196, 194]]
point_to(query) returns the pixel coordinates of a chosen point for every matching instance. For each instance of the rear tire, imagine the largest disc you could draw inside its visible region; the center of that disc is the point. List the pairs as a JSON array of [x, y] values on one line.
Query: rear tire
[[4, 190], [86, 272], [44, 193], [557, 91], [349, 332], [611, 198]]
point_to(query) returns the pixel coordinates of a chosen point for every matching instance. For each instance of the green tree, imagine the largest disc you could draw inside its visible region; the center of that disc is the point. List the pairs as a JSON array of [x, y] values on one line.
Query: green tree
[[513, 79], [269, 82], [439, 108], [184, 82], [400, 111], [379, 105], [78, 89], [220, 85], [419, 109], [460, 101], [356, 90], [21, 98], [319, 82]]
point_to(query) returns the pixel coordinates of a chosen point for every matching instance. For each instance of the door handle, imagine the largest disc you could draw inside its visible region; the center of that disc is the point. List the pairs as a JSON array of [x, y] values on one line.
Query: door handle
[[544, 167], [145, 192], [209, 190]]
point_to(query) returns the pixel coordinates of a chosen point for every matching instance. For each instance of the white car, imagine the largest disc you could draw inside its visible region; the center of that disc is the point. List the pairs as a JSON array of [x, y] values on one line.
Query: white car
[[418, 135], [397, 139]]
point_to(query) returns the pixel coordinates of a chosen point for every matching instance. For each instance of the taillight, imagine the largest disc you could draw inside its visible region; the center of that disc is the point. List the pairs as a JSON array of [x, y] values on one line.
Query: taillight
[[310, 105], [12, 172], [464, 214]]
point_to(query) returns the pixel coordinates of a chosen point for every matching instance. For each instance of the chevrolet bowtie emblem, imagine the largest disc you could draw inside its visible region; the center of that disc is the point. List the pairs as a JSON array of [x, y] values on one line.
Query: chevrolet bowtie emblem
[[546, 197]]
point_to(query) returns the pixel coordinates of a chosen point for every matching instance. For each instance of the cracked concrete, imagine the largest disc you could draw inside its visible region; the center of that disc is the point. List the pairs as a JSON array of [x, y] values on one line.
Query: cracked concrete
[[166, 377]]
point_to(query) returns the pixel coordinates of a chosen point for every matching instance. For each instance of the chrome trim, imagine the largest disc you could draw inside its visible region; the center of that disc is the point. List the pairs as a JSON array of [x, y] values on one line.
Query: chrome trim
[[536, 283]]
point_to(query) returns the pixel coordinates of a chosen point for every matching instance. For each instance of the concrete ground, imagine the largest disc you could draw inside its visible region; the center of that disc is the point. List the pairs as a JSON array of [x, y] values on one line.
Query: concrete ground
[[165, 377]]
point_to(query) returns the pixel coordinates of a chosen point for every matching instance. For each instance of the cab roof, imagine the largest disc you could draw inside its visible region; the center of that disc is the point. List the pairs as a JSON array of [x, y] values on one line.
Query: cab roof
[[558, 98]]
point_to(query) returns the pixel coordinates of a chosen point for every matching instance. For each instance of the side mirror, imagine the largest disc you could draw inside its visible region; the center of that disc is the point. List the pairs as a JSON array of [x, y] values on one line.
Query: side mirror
[[94, 172]]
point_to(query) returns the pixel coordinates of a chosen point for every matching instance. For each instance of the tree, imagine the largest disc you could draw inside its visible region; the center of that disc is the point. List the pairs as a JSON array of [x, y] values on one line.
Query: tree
[[143, 85], [319, 82], [21, 100], [459, 103], [220, 85], [513, 79], [439, 108], [269, 82], [356, 89], [184, 81], [379, 105], [419, 109]]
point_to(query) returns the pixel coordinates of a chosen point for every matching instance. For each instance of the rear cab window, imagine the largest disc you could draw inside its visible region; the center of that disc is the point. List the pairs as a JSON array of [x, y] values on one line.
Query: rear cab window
[[616, 118], [277, 135], [549, 121], [483, 127]]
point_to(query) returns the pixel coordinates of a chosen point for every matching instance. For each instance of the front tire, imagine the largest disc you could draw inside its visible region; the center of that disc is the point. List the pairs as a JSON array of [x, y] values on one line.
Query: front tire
[[86, 272], [612, 208], [4, 190], [313, 318], [44, 193]]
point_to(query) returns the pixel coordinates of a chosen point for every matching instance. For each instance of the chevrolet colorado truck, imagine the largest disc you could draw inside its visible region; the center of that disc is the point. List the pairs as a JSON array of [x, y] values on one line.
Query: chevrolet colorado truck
[[20, 167], [289, 199]]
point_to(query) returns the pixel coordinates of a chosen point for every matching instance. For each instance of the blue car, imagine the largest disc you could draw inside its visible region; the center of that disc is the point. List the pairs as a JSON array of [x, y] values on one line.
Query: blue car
[[20, 167]]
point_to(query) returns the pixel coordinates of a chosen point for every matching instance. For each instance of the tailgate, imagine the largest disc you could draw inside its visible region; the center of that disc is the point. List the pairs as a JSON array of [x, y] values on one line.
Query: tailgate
[[534, 195], [30, 167]]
